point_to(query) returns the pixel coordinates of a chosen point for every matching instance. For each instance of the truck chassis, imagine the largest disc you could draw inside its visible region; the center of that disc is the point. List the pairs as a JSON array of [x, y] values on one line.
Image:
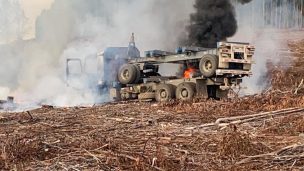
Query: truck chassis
[[220, 70], [205, 72]]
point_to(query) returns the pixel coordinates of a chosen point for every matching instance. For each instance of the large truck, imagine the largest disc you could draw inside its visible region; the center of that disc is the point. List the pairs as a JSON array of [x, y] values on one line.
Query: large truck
[[203, 72]]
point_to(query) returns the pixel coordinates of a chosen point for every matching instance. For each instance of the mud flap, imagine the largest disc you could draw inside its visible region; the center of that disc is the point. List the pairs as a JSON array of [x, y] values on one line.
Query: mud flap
[[201, 88], [222, 94]]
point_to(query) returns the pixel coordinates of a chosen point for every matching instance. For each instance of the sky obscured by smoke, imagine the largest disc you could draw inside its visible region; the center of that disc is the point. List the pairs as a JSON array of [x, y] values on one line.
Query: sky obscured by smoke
[[32, 9], [12, 21]]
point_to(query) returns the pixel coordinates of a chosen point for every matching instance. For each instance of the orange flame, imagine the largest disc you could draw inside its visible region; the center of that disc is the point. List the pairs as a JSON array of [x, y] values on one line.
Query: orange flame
[[189, 73]]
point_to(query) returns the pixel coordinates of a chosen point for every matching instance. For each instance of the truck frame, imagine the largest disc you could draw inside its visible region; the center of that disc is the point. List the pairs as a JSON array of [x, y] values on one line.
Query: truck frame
[[219, 70], [204, 72]]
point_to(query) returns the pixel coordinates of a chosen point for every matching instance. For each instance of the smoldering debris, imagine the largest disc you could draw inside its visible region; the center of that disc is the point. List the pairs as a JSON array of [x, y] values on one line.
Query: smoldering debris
[[285, 75]]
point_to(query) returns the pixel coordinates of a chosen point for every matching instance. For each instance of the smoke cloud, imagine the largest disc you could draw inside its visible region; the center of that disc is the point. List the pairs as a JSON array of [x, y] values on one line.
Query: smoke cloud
[[12, 21], [212, 22], [34, 70], [268, 26]]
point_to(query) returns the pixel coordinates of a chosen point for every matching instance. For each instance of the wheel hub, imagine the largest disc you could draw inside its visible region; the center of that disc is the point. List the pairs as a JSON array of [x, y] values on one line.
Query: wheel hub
[[208, 65], [184, 93], [163, 94], [125, 74]]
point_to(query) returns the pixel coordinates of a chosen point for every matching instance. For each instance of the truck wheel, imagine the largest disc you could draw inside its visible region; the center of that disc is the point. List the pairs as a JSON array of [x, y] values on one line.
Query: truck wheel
[[165, 92], [185, 91], [123, 97], [127, 96], [127, 74], [208, 65]]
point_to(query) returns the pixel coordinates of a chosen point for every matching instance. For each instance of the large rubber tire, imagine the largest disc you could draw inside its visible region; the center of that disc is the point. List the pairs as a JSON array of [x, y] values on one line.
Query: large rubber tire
[[208, 65], [165, 92], [185, 91], [127, 74]]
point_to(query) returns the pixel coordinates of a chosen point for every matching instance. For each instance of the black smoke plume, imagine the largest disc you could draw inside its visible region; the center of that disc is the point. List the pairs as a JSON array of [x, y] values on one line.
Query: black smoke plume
[[213, 21]]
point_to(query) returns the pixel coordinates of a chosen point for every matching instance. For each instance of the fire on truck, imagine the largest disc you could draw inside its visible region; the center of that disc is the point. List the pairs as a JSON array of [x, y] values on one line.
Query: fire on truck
[[206, 72]]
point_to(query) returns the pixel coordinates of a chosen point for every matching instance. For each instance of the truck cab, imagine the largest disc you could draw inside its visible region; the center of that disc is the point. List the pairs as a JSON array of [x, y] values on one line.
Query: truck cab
[[99, 72]]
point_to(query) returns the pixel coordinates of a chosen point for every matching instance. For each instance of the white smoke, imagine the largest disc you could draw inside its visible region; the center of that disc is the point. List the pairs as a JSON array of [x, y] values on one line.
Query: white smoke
[[261, 25], [34, 70], [12, 21]]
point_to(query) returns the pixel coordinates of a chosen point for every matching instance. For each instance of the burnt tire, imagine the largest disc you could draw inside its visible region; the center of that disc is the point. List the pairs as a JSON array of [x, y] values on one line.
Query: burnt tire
[[208, 65], [127, 74], [185, 91], [165, 92]]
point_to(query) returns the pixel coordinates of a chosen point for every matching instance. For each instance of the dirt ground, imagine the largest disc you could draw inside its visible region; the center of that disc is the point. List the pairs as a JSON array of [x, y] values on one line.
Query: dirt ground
[[169, 136]]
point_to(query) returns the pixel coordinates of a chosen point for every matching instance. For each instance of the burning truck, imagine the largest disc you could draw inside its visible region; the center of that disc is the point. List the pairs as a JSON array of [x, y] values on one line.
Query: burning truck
[[205, 72]]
